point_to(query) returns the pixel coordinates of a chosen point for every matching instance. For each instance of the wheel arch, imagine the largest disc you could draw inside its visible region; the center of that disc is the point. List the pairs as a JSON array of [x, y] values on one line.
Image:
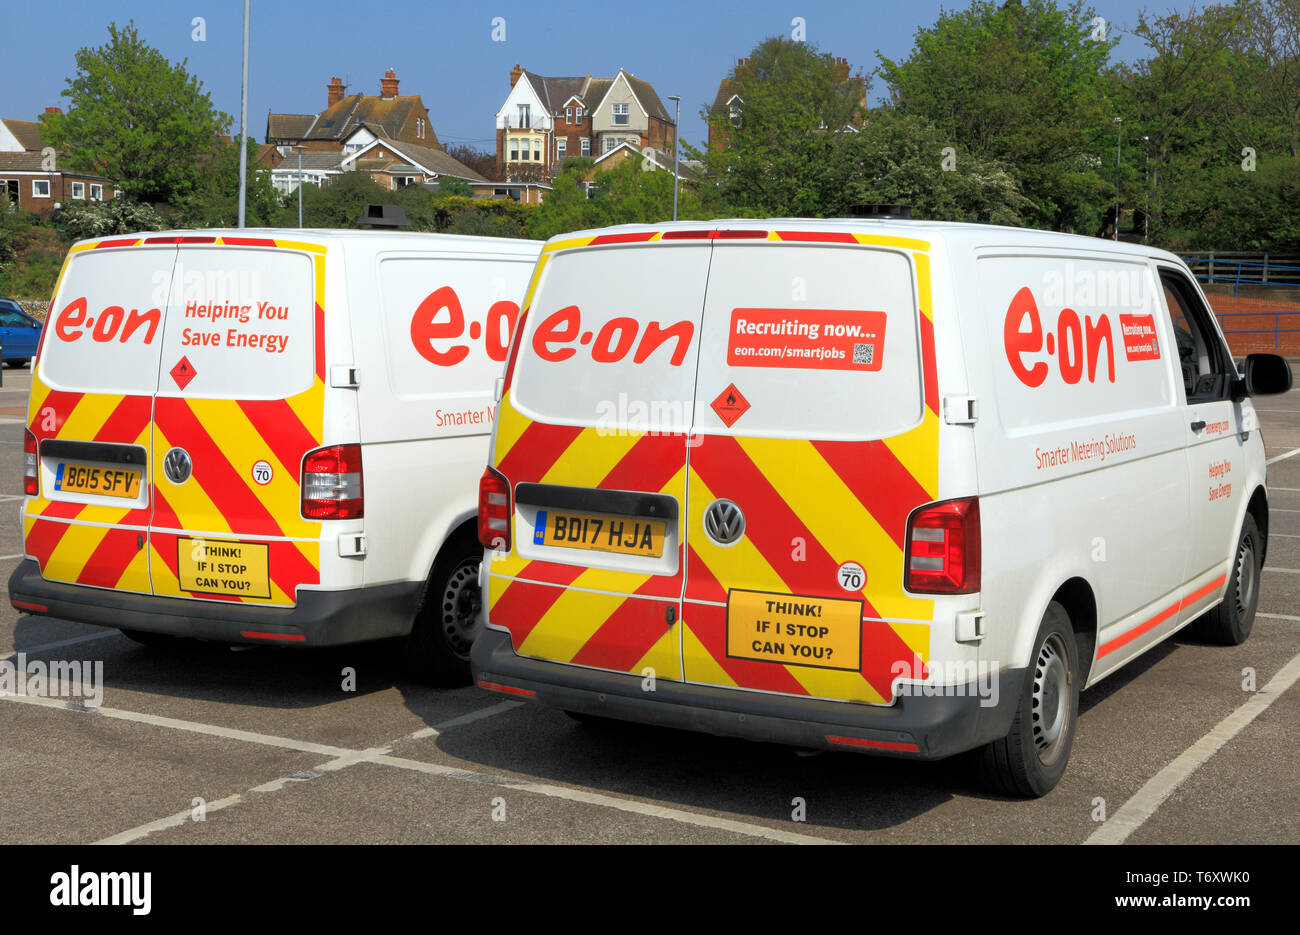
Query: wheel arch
[[1258, 509], [1080, 604]]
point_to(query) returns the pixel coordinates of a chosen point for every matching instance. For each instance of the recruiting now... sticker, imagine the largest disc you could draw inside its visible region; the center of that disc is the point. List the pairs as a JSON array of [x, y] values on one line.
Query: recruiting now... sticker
[[806, 339]]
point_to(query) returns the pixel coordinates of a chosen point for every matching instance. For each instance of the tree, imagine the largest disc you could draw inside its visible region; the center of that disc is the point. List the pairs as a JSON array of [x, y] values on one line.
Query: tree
[[84, 219], [136, 118], [214, 200], [625, 194], [485, 164], [796, 104], [1021, 82]]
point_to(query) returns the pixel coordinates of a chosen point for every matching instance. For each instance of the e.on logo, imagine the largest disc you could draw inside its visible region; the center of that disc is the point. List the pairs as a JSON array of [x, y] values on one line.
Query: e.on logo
[[113, 322], [1070, 345], [612, 343], [426, 328]]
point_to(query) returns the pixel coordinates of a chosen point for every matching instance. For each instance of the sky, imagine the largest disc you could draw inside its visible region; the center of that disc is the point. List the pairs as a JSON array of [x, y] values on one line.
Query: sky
[[446, 52]]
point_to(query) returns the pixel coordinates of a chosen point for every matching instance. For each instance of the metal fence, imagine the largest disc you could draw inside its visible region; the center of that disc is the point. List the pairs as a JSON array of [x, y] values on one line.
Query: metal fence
[[1256, 298]]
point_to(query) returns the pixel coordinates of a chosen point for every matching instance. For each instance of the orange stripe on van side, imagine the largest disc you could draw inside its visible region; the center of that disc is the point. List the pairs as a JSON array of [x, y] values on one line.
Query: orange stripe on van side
[[1130, 635]]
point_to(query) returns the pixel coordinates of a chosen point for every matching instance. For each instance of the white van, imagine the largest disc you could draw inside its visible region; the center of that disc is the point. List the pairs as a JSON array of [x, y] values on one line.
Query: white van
[[268, 436], [887, 486]]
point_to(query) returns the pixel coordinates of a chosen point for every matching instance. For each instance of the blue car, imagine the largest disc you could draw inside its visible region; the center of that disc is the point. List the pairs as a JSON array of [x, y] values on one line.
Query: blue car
[[20, 334]]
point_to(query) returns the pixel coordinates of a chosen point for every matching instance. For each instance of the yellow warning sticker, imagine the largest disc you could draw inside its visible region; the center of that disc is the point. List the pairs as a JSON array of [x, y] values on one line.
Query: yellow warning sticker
[[217, 566], [794, 630]]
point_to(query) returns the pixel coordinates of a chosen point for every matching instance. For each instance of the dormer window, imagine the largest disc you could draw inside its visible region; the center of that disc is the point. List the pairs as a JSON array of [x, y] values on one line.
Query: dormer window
[[525, 119], [622, 114], [733, 111]]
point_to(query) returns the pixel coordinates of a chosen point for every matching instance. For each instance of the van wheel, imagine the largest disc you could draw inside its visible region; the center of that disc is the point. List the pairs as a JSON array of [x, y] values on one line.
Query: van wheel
[[1030, 760], [437, 651], [1231, 622]]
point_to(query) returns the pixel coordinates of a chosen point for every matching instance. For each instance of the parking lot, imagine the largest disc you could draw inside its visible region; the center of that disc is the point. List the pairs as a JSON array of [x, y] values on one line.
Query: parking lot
[[273, 746]]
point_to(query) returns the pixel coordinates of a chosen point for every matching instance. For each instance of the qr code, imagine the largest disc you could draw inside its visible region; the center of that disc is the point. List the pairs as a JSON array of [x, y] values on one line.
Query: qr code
[[864, 354]]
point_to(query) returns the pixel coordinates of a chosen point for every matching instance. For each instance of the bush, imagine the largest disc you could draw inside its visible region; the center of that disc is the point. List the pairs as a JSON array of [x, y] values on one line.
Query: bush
[[84, 219]]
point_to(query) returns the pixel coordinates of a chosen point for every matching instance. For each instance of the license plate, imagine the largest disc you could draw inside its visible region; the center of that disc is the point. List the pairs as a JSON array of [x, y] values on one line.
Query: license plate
[[626, 535], [121, 482]]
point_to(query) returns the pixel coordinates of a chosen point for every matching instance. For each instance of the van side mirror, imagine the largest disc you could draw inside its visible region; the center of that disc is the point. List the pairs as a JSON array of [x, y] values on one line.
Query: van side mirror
[[1263, 375]]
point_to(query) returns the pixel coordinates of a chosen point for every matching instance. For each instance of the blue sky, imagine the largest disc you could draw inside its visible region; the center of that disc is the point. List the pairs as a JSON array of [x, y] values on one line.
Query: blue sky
[[445, 51]]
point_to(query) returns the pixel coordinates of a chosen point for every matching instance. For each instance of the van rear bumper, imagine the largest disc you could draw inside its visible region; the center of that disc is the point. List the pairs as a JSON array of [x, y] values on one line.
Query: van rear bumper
[[926, 728], [320, 618]]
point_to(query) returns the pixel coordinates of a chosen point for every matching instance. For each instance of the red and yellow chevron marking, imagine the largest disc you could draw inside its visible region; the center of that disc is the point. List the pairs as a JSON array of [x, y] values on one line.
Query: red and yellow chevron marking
[[101, 545], [813, 505]]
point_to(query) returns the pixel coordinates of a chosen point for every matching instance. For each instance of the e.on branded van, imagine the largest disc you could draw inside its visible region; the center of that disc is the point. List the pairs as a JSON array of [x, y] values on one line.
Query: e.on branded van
[[891, 487], [268, 436]]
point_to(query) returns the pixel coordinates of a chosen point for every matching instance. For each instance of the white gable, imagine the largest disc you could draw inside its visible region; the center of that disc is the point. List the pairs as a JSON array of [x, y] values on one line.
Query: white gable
[[523, 93], [8, 142]]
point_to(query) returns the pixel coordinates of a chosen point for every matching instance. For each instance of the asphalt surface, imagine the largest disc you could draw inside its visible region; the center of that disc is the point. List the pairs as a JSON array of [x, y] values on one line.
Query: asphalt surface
[[267, 747]]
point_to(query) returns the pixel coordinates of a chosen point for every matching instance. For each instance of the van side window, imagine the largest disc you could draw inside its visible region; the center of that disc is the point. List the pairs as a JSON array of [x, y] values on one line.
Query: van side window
[[1206, 366]]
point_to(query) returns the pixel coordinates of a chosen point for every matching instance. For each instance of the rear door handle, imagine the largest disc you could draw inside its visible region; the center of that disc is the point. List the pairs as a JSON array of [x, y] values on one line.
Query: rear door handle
[[1198, 425]]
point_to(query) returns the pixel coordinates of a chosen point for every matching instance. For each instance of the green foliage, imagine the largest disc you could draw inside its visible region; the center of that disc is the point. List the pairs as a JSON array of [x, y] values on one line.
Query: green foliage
[[214, 201], [84, 219], [136, 118], [626, 194], [341, 202], [795, 107], [30, 255], [900, 159], [1022, 83], [451, 185]]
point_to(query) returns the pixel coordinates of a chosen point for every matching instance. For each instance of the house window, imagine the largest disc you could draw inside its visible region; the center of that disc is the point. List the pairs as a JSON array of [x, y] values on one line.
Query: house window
[[525, 121], [561, 147], [586, 147], [622, 113], [96, 192], [537, 150], [610, 143], [40, 188], [9, 191], [568, 115], [734, 113], [577, 115], [79, 190], [514, 150]]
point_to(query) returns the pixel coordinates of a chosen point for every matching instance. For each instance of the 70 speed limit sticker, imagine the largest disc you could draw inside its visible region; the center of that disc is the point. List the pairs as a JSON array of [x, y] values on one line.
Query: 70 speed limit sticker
[[851, 576], [262, 472]]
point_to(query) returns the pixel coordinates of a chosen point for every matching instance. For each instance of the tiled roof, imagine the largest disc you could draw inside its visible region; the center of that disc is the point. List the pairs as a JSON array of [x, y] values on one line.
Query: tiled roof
[[645, 93], [434, 160], [28, 133], [288, 126], [31, 162]]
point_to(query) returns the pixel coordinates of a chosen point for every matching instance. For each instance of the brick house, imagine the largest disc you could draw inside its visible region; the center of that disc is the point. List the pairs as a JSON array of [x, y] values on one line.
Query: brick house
[[546, 120], [31, 178], [389, 114], [728, 106]]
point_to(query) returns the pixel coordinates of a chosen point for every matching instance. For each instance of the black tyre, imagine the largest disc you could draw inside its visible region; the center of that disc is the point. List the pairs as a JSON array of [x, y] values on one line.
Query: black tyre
[[147, 638], [1231, 622], [1031, 759], [437, 651]]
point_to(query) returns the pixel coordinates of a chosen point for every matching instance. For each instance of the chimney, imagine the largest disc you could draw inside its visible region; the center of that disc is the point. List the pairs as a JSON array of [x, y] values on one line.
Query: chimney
[[335, 89], [514, 74], [53, 110], [388, 85]]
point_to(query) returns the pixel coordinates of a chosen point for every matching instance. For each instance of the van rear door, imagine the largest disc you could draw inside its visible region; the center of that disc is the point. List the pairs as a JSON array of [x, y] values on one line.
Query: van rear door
[[239, 403], [815, 434], [592, 438], [90, 410]]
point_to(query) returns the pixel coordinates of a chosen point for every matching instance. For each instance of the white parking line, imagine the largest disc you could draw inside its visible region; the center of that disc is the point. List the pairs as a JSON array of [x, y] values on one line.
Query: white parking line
[[1285, 571], [33, 650], [1290, 454], [1278, 616], [5, 558], [342, 757], [1133, 813]]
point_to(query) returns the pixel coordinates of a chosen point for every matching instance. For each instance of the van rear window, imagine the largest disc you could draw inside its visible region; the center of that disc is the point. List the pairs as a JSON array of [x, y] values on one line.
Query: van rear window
[[105, 326], [611, 338], [809, 341]]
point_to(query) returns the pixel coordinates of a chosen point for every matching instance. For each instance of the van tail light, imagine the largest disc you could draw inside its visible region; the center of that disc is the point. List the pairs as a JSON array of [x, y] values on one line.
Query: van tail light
[[494, 510], [943, 548], [31, 483], [331, 483]]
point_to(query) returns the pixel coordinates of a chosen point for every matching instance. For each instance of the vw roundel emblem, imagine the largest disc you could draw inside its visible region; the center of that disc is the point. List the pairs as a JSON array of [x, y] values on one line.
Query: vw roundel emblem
[[724, 522], [177, 466]]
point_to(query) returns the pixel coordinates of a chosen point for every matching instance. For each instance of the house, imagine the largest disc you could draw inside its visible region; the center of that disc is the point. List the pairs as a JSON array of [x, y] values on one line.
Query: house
[[728, 106], [390, 114], [650, 159], [546, 120], [392, 163], [31, 177], [529, 193]]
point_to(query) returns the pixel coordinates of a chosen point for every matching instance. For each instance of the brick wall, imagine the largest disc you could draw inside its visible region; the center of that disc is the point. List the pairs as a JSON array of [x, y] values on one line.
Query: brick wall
[[1253, 324]]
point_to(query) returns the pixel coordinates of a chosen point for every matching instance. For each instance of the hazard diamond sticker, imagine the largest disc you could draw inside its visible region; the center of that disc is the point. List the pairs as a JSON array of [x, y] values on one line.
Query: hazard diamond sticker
[[730, 405], [183, 372]]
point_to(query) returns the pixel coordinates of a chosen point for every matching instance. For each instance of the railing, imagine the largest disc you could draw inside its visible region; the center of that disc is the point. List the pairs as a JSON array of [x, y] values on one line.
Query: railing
[[1249, 268]]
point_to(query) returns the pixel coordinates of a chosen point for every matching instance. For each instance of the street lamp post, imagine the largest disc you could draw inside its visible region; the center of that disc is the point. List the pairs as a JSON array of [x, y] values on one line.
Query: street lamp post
[[677, 120], [1119, 132], [243, 125], [299, 149]]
